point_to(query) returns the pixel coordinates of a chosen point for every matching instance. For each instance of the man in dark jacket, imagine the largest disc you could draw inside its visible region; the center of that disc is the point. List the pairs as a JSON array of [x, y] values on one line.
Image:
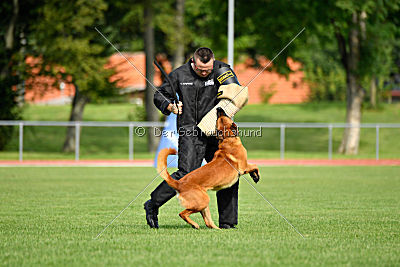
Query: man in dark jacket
[[197, 90]]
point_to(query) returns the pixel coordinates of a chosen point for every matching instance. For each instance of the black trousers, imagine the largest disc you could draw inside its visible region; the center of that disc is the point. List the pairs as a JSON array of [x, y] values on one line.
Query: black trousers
[[191, 151]]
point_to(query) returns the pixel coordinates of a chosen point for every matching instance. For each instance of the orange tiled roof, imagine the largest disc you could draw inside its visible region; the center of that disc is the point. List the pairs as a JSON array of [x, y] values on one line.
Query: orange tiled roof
[[127, 76]]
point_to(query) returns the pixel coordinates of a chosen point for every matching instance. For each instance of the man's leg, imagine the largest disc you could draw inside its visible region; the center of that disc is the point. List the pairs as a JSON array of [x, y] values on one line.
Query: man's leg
[[227, 199], [159, 197], [188, 160]]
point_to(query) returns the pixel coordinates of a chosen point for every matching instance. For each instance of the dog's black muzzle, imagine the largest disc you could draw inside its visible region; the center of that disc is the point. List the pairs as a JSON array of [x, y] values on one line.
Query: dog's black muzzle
[[220, 112]]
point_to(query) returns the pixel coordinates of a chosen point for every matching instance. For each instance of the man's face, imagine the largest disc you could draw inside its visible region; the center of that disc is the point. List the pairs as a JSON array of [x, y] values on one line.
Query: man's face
[[203, 69]]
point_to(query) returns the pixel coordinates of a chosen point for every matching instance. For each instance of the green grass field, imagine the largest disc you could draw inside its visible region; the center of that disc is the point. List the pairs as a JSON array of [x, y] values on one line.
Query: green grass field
[[112, 143], [349, 216]]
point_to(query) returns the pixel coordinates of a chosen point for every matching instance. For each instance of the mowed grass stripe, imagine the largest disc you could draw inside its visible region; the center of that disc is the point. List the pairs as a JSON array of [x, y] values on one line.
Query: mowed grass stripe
[[349, 215]]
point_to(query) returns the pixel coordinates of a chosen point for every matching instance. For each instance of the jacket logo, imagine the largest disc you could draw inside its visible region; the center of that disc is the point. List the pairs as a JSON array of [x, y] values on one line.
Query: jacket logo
[[209, 82], [186, 83], [225, 76]]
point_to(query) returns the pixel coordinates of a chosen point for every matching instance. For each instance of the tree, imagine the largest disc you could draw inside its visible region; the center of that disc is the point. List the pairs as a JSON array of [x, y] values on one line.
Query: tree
[[8, 111], [179, 55], [17, 16], [70, 48], [349, 48], [151, 110], [359, 29], [364, 48], [8, 104]]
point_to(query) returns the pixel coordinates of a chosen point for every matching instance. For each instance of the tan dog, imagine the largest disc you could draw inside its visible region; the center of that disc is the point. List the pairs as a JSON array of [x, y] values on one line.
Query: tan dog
[[229, 162]]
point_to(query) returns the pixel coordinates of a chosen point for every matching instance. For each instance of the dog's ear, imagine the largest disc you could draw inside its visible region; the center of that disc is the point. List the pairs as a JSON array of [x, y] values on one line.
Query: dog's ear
[[234, 129]]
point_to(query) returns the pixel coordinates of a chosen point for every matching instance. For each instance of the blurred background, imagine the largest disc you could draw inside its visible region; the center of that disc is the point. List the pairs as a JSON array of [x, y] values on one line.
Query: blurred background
[[344, 68]]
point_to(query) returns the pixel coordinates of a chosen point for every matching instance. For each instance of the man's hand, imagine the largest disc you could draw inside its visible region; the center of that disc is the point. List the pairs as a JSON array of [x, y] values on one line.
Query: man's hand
[[174, 108]]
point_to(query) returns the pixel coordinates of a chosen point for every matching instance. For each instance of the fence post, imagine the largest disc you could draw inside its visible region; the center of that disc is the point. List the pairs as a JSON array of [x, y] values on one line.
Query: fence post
[[77, 141], [283, 141], [130, 141], [377, 143], [330, 142], [21, 140]]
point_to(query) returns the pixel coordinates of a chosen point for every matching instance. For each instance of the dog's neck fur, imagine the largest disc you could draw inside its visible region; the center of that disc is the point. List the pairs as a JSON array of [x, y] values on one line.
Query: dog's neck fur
[[229, 143], [229, 148]]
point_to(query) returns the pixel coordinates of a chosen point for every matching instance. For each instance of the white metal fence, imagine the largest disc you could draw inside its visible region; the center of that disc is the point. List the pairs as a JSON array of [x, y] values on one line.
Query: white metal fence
[[132, 125]]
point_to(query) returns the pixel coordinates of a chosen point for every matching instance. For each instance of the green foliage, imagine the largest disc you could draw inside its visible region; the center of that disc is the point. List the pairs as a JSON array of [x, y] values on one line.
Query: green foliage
[[12, 67], [68, 43], [9, 110], [323, 71], [317, 47], [124, 25], [377, 29], [137, 113], [270, 33], [207, 22], [328, 86], [267, 94]]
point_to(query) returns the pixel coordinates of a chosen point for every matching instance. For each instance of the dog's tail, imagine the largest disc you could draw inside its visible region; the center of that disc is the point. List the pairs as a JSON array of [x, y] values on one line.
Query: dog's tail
[[162, 167]]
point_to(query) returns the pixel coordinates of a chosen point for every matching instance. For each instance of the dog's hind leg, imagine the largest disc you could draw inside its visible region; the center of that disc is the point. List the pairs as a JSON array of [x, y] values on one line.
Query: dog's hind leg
[[194, 201], [207, 218], [185, 215]]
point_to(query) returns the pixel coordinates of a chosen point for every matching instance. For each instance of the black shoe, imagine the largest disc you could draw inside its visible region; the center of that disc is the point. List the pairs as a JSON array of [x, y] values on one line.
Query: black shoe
[[151, 214], [227, 226]]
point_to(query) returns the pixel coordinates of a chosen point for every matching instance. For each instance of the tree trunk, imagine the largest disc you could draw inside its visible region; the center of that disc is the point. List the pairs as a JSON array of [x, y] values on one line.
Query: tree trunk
[[8, 78], [151, 111], [179, 55], [355, 93], [9, 36], [351, 135], [78, 105], [373, 89], [9, 39]]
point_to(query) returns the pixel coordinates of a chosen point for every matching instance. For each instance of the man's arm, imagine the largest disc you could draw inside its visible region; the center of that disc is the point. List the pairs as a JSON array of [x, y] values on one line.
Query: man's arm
[[230, 88], [164, 96]]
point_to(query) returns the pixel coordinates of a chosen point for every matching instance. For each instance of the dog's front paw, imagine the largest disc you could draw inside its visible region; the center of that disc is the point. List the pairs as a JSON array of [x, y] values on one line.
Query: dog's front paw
[[255, 175]]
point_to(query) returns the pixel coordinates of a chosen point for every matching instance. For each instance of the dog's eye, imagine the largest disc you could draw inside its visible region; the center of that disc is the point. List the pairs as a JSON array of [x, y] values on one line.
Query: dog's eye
[[234, 128]]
